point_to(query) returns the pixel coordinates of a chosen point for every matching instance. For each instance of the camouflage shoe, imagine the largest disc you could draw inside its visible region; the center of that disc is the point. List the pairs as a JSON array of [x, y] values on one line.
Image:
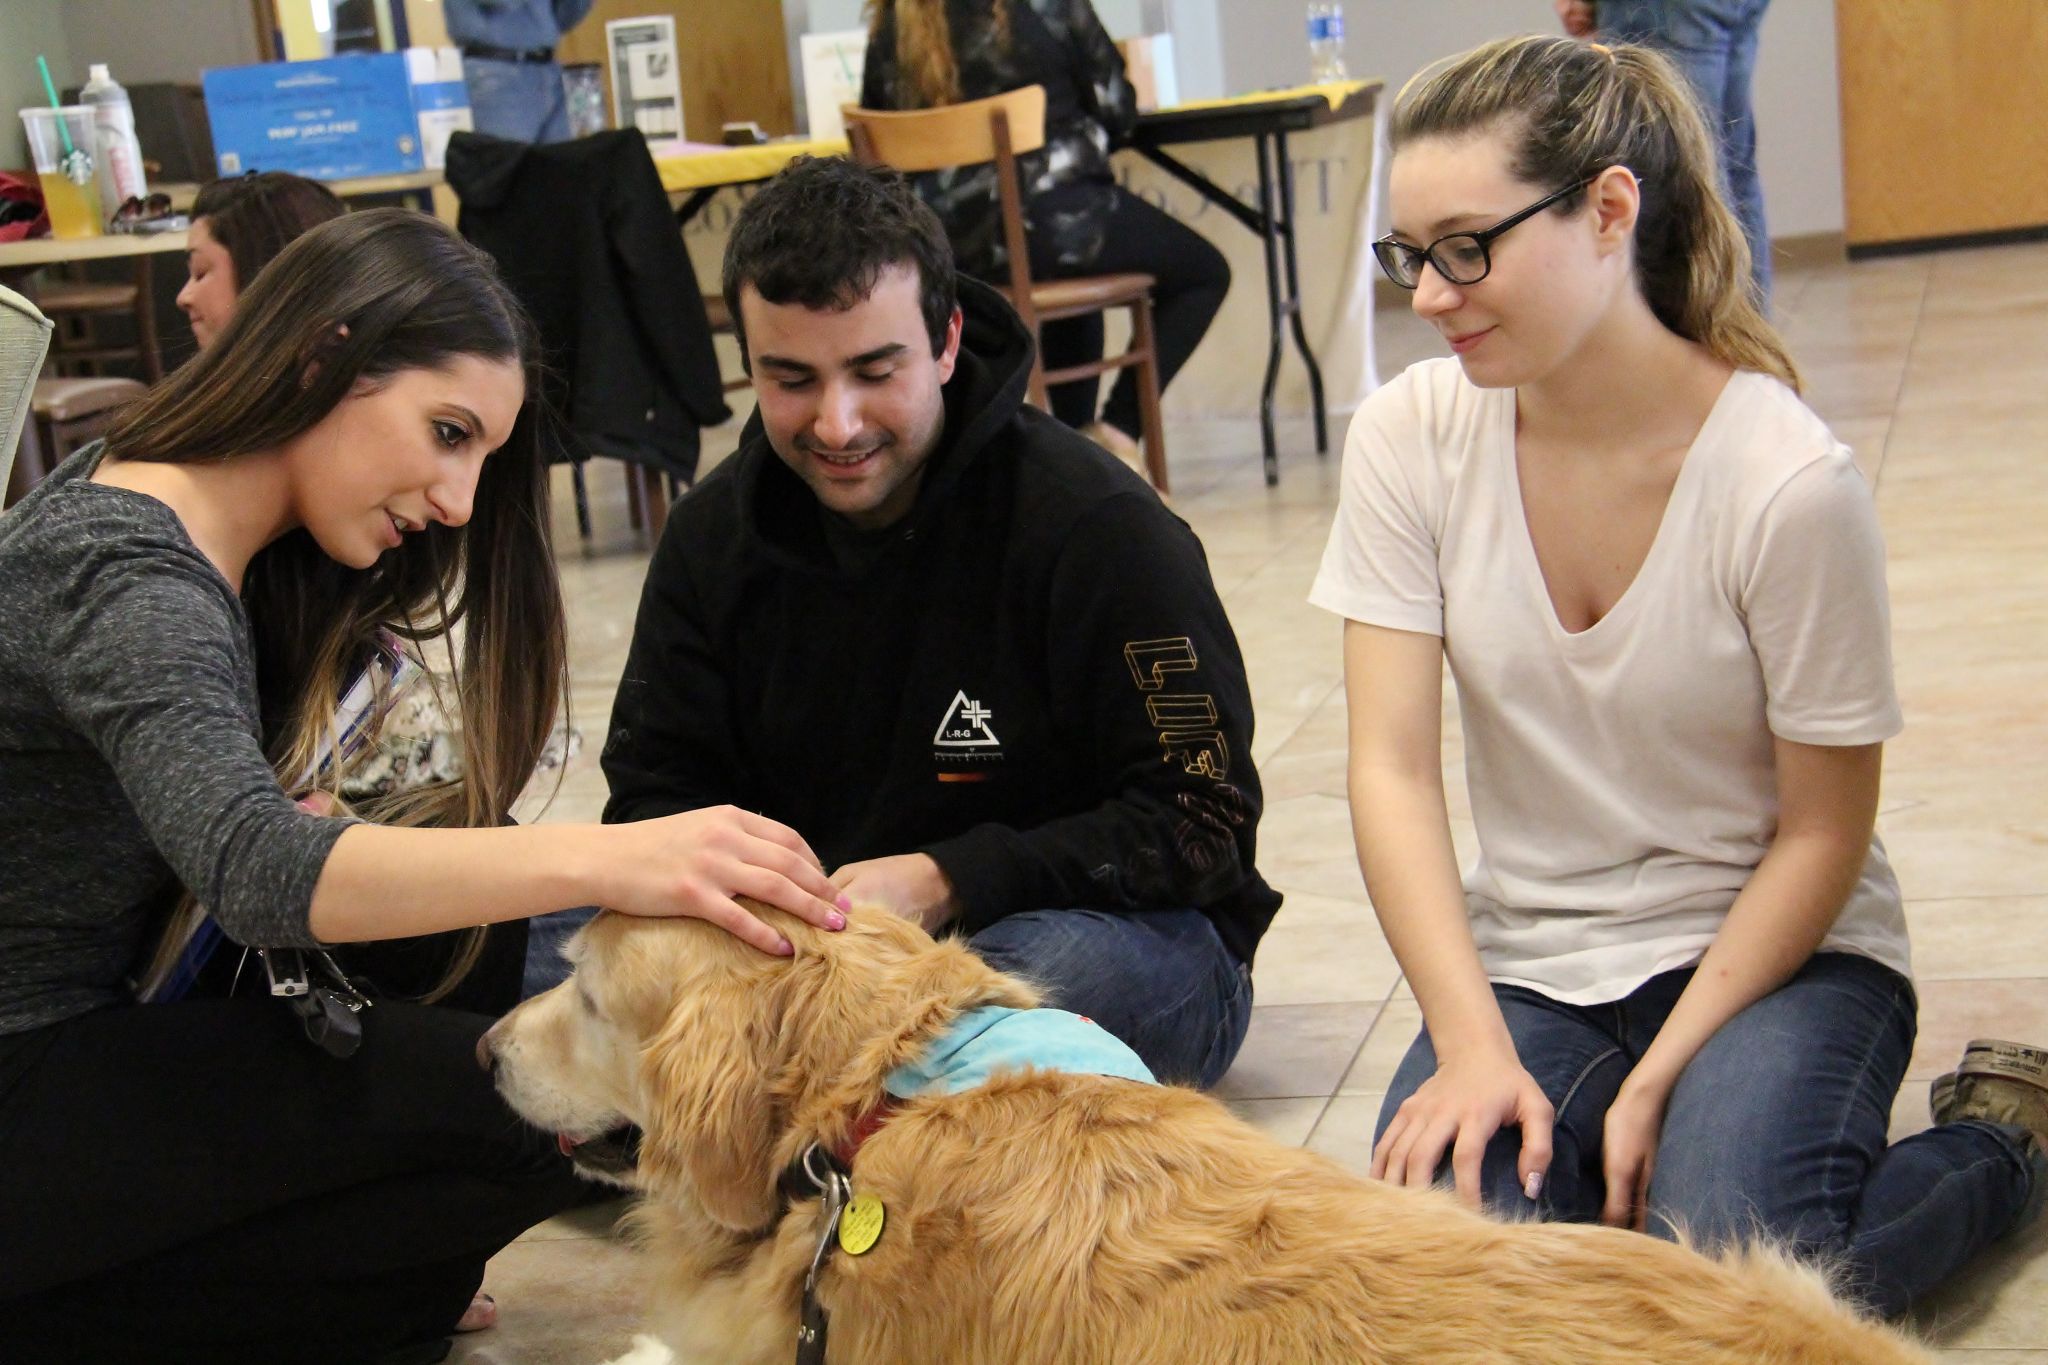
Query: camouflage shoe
[[1998, 1082]]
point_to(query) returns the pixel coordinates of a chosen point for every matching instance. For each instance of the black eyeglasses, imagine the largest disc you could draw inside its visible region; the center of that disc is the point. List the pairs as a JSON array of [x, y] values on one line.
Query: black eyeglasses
[[1460, 257]]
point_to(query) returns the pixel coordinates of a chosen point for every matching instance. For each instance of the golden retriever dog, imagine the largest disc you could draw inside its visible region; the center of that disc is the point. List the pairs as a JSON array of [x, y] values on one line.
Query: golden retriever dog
[[1056, 1219]]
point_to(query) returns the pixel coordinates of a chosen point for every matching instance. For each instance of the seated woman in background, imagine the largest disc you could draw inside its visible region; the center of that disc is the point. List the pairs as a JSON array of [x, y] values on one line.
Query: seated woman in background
[[238, 224], [925, 53], [192, 1180]]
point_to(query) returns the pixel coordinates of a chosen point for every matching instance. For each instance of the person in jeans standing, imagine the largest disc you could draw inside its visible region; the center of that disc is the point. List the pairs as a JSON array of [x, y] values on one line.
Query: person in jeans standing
[[1673, 989], [508, 63], [967, 653], [1714, 43]]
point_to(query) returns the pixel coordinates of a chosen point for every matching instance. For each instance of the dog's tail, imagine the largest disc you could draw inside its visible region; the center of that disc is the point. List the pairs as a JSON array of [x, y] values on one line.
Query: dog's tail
[[1814, 1301]]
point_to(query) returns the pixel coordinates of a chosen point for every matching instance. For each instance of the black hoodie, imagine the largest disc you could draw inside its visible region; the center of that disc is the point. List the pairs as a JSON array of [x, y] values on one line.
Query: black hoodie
[[1030, 677]]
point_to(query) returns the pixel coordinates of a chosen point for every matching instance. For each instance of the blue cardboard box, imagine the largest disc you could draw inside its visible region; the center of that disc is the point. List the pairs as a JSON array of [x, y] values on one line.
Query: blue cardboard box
[[384, 113]]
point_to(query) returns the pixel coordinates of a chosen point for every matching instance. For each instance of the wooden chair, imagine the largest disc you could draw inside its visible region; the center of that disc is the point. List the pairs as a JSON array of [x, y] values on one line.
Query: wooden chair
[[74, 412], [997, 130], [720, 318], [73, 302]]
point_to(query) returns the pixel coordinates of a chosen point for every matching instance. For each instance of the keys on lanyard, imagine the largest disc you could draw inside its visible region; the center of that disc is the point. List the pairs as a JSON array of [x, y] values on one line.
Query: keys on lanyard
[[834, 1191], [329, 1014]]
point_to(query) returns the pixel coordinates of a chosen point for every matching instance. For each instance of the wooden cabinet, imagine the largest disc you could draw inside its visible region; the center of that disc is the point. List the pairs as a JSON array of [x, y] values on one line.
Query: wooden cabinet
[[1944, 119]]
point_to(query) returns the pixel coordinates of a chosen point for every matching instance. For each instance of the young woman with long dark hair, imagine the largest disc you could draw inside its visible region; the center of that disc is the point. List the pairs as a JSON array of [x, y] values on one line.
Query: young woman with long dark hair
[[356, 454]]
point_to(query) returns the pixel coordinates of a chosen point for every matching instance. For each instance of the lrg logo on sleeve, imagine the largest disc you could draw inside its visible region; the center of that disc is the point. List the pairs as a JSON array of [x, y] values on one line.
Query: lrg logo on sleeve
[[1187, 722]]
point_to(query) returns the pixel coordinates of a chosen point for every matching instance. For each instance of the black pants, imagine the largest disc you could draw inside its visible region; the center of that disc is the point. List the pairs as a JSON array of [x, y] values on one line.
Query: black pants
[[195, 1182], [1192, 279]]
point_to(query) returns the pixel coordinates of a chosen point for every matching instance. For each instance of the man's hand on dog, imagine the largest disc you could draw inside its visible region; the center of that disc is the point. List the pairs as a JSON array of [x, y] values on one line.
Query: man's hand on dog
[[910, 884], [697, 862], [1461, 1107]]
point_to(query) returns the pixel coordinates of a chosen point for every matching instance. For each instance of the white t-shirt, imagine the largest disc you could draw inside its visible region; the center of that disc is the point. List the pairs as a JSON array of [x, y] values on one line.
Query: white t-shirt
[[1622, 778]]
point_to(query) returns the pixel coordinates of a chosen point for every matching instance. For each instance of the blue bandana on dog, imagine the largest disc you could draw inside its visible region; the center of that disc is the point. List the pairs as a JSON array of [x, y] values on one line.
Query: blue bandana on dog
[[994, 1038]]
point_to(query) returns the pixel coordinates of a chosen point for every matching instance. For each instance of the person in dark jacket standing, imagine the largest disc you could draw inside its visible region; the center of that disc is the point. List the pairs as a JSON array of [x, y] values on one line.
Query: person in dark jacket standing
[[1079, 221], [969, 655]]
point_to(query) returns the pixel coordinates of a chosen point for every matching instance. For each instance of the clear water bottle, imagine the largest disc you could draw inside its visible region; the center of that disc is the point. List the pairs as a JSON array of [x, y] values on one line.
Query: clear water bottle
[[121, 176], [1326, 42]]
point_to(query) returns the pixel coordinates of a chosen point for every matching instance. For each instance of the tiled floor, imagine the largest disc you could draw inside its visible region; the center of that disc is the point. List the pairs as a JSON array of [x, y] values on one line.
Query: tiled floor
[[1932, 368]]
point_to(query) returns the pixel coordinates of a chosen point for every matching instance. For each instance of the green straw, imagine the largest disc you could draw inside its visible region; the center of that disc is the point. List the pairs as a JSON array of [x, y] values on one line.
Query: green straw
[[77, 166], [50, 89]]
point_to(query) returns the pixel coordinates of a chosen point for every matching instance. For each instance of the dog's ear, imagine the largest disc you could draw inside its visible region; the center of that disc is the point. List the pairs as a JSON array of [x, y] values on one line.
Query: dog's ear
[[712, 1120]]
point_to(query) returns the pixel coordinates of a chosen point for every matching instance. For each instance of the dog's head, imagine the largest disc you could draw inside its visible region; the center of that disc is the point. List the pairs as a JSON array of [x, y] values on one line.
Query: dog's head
[[729, 1061]]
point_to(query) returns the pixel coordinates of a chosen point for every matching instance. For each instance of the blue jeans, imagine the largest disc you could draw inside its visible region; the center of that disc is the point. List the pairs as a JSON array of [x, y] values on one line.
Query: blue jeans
[[546, 936], [521, 101], [1161, 980], [1778, 1125], [1714, 44]]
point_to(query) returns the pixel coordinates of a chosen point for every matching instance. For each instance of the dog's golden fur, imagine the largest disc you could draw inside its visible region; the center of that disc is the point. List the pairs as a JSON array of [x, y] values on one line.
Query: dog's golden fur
[[1050, 1219]]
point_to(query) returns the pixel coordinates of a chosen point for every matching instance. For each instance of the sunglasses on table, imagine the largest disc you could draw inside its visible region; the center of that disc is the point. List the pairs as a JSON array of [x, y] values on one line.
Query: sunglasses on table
[[1460, 257], [134, 209]]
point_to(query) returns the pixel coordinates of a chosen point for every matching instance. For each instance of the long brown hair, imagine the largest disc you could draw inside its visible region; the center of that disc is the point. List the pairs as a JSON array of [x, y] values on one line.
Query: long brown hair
[[257, 215], [1573, 109], [924, 45], [362, 298]]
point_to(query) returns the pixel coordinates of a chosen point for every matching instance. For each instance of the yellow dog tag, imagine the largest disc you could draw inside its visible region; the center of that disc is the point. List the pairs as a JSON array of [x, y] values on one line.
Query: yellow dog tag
[[860, 1224]]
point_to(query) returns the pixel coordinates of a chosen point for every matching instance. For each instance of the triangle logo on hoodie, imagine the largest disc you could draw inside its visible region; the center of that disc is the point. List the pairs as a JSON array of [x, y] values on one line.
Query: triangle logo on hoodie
[[965, 726]]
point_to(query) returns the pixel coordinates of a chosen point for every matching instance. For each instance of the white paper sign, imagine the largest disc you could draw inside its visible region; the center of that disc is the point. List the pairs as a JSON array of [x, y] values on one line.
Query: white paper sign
[[647, 91], [832, 71]]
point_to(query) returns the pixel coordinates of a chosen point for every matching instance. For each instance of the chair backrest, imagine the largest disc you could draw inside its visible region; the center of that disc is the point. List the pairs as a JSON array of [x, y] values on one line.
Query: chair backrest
[[24, 337], [994, 129], [913, 140]]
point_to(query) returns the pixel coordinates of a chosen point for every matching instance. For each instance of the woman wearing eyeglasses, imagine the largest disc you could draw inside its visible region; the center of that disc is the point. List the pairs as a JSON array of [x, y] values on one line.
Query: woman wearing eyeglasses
[[1672, 990]]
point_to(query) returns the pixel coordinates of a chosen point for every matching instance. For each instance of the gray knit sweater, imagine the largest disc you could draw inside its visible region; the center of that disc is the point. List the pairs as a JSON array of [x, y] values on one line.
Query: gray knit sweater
[[130, 754]]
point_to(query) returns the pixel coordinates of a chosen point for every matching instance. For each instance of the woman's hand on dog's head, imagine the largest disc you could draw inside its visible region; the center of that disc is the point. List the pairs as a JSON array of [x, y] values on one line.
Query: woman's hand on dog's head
[[697, 864]]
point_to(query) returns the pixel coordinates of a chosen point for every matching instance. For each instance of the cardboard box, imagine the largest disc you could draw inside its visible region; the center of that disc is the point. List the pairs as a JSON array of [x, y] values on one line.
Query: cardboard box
[[339, 118]]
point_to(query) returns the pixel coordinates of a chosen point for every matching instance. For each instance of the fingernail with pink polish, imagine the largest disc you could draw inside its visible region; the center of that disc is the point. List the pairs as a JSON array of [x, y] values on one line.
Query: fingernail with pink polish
[[1533, 1186], [844, 902], [835, 920], [784, 948]]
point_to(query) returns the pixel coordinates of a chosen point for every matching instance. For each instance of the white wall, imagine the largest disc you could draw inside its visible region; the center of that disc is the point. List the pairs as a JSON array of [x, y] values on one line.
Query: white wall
[[28, 28], [1799, 125]]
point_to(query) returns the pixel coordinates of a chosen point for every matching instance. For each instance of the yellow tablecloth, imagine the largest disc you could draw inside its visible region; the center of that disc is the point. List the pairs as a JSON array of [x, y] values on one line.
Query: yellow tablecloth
[[1336, 92], [737, 165], [743, 165]]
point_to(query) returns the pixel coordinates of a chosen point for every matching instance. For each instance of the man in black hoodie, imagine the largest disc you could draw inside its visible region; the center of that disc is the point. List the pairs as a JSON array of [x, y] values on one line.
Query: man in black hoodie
[[971, 657]]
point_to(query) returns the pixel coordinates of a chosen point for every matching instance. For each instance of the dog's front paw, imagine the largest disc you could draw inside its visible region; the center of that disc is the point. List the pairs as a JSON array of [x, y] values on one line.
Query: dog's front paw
[[646, 1351]]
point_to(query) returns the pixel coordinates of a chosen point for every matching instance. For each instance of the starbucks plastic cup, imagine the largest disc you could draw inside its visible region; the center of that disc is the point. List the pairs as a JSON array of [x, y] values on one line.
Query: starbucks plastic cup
[[61, 142]]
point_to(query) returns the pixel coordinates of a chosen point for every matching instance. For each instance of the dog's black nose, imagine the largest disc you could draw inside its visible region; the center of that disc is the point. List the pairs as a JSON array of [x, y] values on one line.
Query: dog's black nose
[[486, 1055]]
